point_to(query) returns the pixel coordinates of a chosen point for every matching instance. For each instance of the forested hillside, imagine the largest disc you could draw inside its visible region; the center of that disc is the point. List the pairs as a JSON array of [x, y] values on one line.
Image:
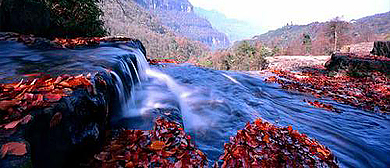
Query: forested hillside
[[126, 18], [179, 15], [318, 38]]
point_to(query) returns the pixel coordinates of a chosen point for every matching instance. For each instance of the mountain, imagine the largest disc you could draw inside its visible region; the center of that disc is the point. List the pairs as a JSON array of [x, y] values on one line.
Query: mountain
[[290, 38], [127, 18], [180, 17], [233, 28]]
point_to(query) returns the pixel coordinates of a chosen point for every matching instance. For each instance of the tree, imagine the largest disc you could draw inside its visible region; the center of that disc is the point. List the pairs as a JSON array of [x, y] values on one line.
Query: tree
[[75, 18], [335, 30], [306, 41]]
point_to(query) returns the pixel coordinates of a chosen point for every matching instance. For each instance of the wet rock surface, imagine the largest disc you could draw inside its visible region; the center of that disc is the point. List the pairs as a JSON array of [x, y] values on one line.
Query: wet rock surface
[[57, 121], [381, 48], [58, 129], [352, 62]]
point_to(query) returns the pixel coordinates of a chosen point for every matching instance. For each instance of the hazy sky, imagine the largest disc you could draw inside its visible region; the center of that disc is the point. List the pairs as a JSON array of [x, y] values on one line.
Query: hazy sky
[[272, 14]]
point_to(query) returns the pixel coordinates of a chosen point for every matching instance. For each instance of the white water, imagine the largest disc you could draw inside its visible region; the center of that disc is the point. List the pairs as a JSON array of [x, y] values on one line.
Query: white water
[[155, 90]]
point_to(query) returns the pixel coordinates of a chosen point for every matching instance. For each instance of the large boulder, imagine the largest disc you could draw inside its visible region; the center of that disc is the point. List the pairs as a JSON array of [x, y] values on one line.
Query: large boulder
[[67, 131], [352, 63], [381, 48]]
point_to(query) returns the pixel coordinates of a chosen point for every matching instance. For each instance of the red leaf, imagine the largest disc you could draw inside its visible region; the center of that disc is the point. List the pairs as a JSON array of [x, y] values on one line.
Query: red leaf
[[5, 104], [13, 148], [12, 124], [52, 97], [157, 145], [56, 119]]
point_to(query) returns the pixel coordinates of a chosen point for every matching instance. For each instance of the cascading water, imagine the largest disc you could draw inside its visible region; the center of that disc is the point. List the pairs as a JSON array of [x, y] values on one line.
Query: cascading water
[[211, 104], [143, 103]]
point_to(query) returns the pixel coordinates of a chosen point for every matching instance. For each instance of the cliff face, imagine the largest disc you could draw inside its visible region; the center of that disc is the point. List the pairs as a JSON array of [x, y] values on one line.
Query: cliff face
[[180, 17]]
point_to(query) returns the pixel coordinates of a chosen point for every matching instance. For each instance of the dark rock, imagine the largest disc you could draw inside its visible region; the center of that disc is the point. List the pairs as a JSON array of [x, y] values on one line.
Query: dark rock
[[79, 131], [24, 16], [351, 63], [72, 129], [381, 48]]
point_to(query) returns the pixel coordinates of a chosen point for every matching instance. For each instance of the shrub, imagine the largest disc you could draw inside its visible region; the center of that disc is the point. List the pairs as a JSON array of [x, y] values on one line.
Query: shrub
[[243, 57], [75, 18]]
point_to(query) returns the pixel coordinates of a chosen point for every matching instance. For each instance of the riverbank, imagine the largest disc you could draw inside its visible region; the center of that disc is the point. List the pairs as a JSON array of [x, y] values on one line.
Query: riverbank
[[365, 88], [292, 63]]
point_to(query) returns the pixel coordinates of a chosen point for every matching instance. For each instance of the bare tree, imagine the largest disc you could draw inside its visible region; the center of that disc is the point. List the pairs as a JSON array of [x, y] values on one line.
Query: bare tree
[[336, 30]]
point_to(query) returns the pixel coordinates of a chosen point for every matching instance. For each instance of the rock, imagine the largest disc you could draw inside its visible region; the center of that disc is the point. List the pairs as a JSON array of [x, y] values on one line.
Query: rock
[[353, 63], [68, 131], [381, 48]]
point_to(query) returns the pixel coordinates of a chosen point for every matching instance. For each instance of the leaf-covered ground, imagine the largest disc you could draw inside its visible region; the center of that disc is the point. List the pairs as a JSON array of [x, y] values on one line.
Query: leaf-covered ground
[[259, 144], [262, 144], [370, 92], [167, 145], [18, 99]]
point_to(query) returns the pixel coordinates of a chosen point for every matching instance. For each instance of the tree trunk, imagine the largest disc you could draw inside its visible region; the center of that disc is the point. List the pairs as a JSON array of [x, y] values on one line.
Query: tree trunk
[[335, 40]]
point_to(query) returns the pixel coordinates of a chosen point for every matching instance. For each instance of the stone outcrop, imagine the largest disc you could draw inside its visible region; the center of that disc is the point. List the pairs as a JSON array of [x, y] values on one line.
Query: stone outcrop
[[352, 63], [381, 48], [64, 132]]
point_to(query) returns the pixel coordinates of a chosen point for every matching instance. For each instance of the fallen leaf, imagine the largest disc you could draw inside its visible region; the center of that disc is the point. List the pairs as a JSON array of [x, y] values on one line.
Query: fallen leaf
[[266, 138], [12, 124], [6, 104], [13, 148], [52, 97], [56, 119], [157, 145], [26, 119], [65, 84], [129, 165]]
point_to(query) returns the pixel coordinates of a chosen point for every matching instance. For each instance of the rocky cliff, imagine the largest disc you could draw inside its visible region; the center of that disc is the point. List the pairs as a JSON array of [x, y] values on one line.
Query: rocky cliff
[[180, 17]]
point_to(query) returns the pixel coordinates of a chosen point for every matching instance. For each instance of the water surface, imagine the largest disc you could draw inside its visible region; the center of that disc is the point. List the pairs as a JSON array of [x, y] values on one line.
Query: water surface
[[211, 104]]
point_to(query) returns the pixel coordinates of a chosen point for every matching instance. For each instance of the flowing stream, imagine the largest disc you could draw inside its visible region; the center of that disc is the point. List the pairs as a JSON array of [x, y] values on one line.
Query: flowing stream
[[211, 104]]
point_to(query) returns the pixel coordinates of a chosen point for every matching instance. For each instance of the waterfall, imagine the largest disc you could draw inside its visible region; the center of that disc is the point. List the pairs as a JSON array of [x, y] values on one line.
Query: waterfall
[[144, 93]]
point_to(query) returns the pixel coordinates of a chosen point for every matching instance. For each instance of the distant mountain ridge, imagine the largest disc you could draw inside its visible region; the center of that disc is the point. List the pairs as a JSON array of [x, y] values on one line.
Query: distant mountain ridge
[[167, 5], [233, 28], [290, 37], [180, 17], [127, 18]]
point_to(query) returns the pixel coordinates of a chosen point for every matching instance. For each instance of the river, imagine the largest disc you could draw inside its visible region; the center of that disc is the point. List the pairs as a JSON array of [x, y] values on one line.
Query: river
[[211, 104]]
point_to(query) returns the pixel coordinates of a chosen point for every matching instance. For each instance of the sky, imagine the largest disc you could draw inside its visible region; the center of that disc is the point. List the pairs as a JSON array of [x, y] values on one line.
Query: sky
[[273, 14]]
